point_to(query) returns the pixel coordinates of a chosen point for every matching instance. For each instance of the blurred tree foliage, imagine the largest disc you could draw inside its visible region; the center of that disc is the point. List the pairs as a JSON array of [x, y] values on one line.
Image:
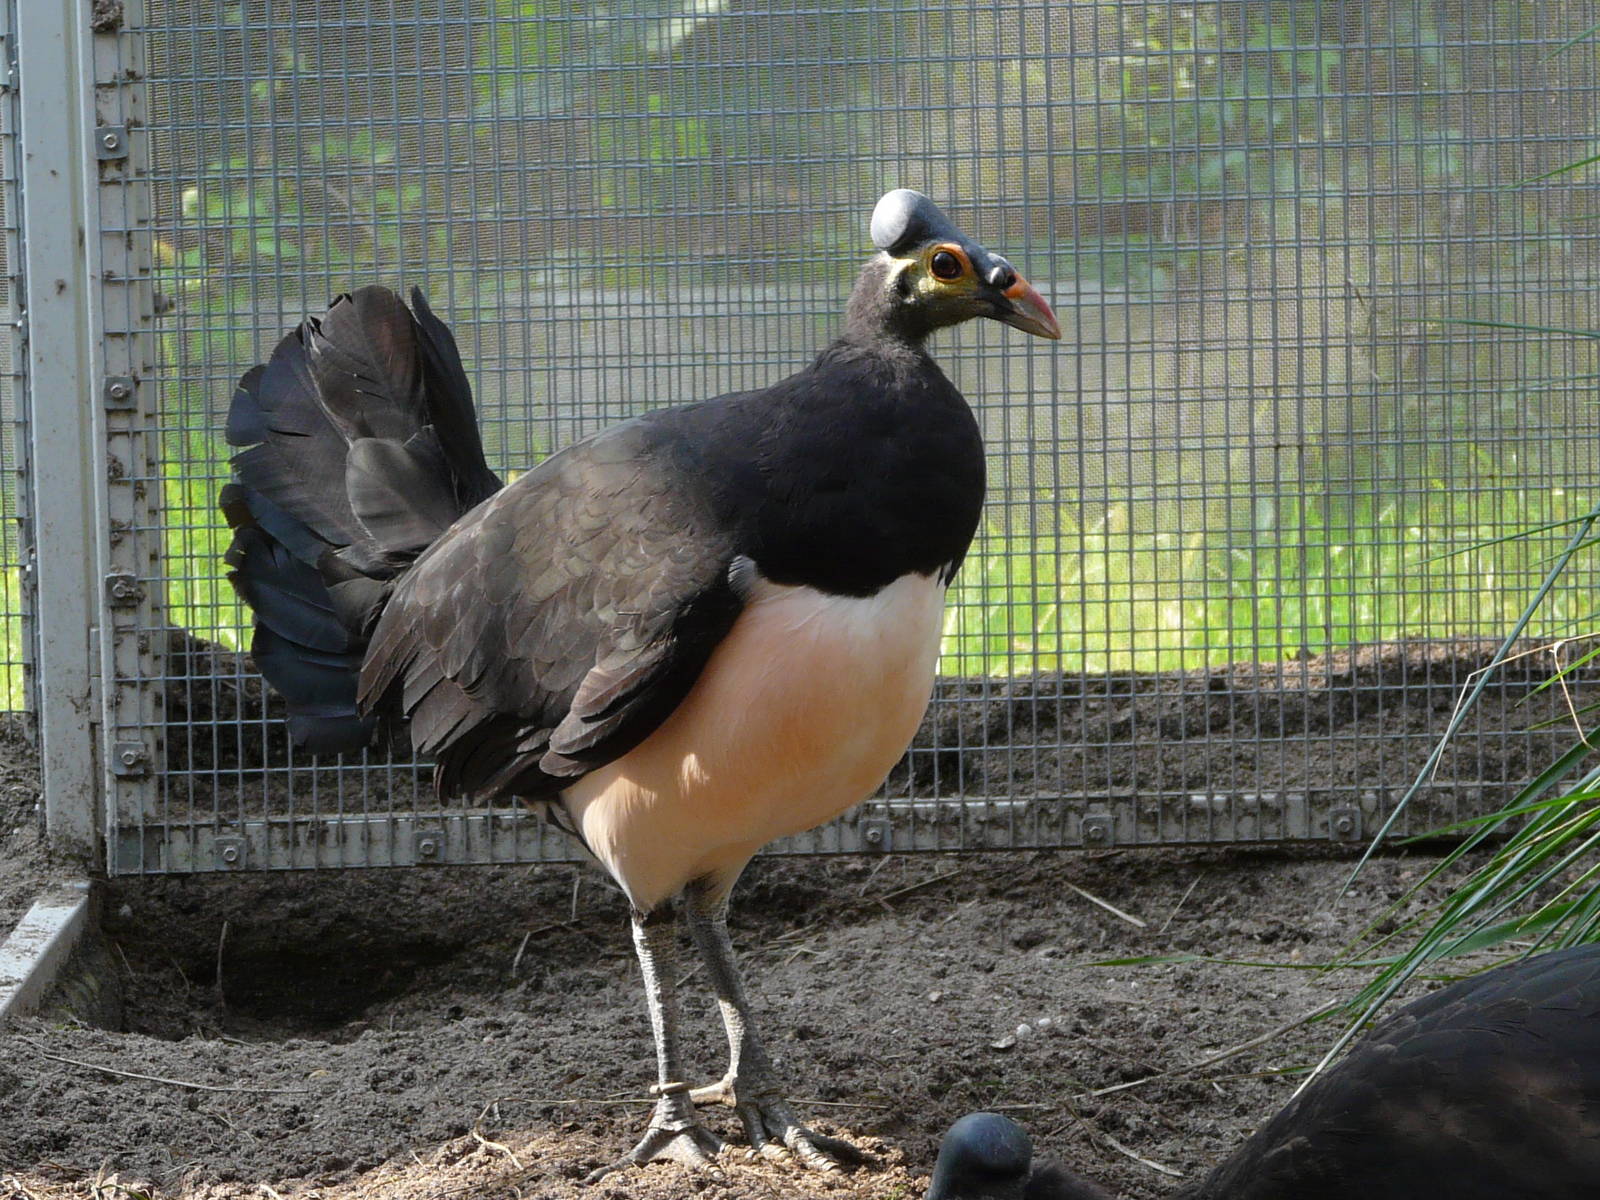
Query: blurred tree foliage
[[1274, 150], [1273, 213], [434, 129]]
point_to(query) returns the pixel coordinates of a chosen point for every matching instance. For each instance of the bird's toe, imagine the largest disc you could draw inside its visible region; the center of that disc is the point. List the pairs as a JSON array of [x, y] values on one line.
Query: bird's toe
[[821, 1152], [675, 1134], [720, 1092], [776, 1134]]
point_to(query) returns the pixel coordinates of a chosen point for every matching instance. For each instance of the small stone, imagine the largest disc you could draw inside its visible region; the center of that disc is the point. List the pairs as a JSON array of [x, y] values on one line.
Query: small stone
[[1004, 1043], [935, 997], [1043, 1024], [1024, 1032]]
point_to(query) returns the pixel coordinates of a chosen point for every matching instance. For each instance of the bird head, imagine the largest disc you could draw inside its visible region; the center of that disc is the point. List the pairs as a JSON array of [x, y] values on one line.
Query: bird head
[[930, 275], [985, 1156]]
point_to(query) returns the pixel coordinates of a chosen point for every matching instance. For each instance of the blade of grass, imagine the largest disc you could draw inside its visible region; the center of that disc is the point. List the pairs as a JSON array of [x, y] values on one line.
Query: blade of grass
[[1458, 718]]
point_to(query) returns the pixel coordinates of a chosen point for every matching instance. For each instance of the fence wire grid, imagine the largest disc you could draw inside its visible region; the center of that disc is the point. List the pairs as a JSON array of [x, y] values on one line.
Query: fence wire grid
[[1316, 279]]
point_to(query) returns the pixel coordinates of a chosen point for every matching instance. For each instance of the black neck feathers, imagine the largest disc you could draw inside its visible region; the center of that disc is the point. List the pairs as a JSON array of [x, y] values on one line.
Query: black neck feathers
[[862, 468]]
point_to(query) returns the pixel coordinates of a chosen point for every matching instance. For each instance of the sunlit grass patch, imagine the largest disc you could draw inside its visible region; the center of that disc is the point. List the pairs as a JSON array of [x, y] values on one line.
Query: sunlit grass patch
[[1252, 580]]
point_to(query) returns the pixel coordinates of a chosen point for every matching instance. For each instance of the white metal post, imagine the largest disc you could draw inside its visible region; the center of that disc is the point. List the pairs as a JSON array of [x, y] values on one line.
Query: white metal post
[[57, 171]]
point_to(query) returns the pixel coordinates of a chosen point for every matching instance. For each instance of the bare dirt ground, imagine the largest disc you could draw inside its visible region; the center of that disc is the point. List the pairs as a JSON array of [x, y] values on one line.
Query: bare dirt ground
[[461, 1033], [480, 1033]]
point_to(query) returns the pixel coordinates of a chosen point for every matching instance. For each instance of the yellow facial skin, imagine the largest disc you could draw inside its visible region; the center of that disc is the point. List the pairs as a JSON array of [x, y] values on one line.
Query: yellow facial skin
[[942, 281], [947, 288]]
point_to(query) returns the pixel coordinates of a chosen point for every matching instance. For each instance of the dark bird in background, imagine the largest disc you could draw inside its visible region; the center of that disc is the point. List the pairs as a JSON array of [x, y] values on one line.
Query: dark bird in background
[[985, 1156], [697, 631], [1488, 1089]]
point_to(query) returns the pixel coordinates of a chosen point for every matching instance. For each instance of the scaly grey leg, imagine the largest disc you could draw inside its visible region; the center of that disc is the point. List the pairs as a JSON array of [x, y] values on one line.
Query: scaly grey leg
[[751, 1084], [675, 1129]]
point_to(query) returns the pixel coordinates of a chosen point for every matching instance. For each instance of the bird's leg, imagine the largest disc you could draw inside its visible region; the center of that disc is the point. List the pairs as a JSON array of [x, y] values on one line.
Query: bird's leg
[[675, 1130], [751, 1084]]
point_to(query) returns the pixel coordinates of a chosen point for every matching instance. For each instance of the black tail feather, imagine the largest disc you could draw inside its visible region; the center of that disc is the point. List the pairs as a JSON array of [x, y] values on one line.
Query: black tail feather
[[402, 493], [450, 408], [301, 645], [287, 595], [360, 447], [242, 507], [319, 689], [299, 464]]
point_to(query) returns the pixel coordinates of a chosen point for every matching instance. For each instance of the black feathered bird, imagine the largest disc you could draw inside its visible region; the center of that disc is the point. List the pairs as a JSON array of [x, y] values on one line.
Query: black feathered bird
[[1487, 1089], [985, 1156], [688, 635]]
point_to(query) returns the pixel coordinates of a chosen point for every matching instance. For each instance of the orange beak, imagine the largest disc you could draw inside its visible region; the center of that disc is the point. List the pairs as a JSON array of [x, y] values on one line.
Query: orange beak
[[1028, 311]]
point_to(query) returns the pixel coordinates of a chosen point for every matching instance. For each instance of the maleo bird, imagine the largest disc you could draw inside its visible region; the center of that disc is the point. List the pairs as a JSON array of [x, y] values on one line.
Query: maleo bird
[[697, 631], [1488, 1089]]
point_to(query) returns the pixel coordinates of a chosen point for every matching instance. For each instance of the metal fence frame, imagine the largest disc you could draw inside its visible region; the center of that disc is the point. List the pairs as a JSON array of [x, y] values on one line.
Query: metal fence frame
[[86, 278], [87, 258]]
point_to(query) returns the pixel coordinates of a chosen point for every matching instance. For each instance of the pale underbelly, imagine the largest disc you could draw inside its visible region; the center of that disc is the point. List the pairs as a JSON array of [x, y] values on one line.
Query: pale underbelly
[[798, 715]]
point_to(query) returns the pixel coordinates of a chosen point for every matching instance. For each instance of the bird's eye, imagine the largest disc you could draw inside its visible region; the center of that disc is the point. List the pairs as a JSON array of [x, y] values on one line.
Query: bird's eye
[[945, 265]]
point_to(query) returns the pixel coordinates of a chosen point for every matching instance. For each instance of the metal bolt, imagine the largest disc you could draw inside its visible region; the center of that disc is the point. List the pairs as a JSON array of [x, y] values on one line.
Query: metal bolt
[[1095, 833], [230, 854], [874, 835], [119, 390], [1344, 825], [110, 141], [428, 847], [129, 760]]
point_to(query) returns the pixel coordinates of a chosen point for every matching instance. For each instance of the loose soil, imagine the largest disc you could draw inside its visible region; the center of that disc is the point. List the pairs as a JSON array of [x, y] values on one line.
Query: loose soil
[[462, 1033], [480, 1032]]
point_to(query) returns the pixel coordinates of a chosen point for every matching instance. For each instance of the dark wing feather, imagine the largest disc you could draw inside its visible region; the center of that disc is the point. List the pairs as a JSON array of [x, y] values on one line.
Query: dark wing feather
[[1485, 1089], [555, 626]]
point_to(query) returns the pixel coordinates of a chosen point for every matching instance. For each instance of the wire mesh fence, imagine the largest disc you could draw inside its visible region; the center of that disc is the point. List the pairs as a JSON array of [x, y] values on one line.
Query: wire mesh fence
[[1320, 289]]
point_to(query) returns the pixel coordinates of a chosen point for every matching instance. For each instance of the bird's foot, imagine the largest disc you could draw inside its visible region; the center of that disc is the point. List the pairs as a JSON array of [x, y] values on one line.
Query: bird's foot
[[773, 1130], [675, 1133]]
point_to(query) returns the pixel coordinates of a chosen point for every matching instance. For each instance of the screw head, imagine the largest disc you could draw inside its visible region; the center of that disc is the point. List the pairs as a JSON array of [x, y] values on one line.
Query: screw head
[[230, 854], [129, 757], [1344, 825], [874, 836], [110, 141], [119, 391], [428, 847], [1095, 833]]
